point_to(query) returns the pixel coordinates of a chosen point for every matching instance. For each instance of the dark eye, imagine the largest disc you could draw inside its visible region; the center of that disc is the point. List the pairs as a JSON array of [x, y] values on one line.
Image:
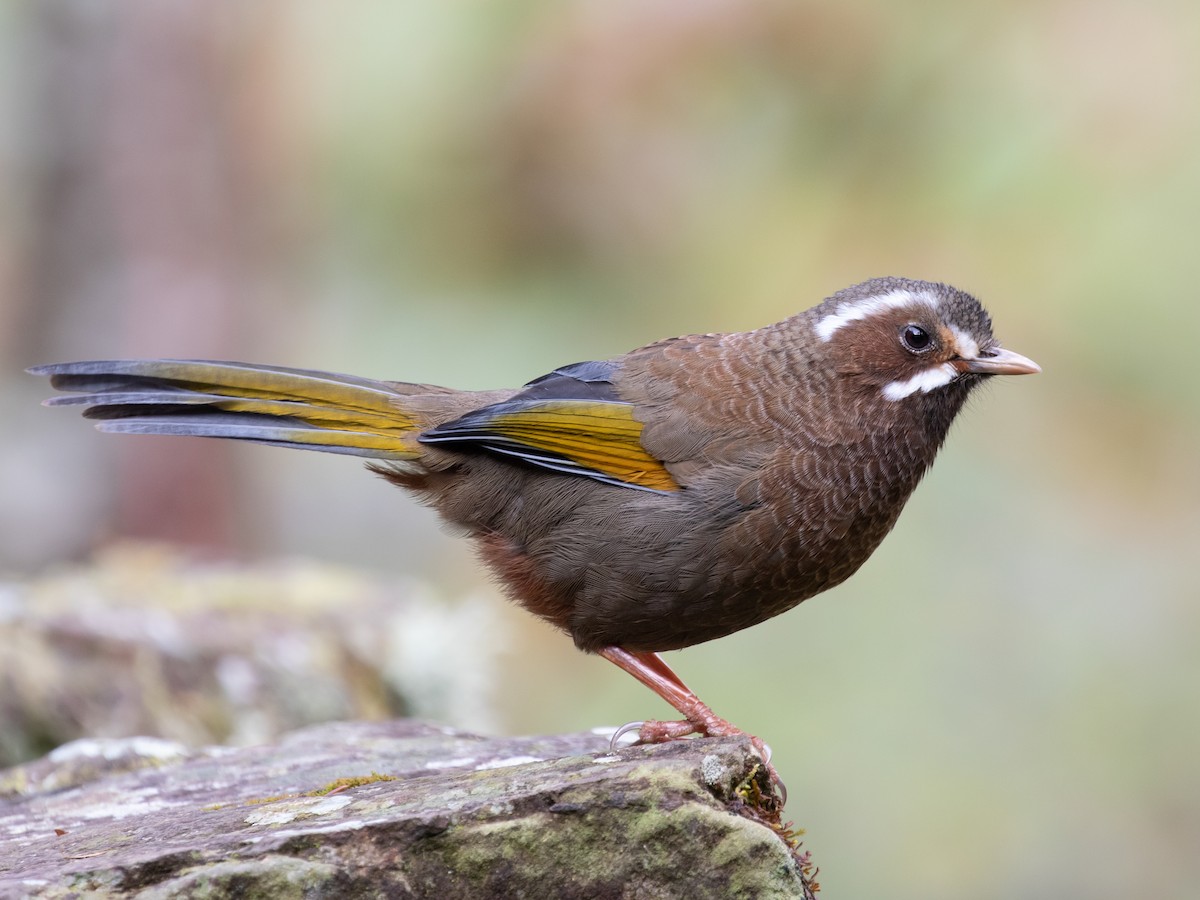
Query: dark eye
[[916, 338]]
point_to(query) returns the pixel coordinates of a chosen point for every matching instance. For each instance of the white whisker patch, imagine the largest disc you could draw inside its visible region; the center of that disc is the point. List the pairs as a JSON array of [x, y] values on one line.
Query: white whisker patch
[[925, 381], [857, 310]]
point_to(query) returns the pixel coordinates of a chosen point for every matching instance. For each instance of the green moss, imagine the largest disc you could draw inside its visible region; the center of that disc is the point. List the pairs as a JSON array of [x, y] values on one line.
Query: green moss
[[269, 878], [342, 784], [334, 787], [644, 843]]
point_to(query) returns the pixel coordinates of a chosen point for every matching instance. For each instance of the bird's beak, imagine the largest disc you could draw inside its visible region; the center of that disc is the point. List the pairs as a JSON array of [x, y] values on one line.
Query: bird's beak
[[998, 361]]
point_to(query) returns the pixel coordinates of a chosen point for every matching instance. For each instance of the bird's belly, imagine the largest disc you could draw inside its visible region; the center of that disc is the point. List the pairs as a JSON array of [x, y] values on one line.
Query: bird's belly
[[656, 588], [614, 566]]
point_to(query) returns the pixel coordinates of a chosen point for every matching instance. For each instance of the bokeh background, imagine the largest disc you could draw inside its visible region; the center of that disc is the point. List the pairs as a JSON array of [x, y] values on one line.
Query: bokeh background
[[1006, 700]]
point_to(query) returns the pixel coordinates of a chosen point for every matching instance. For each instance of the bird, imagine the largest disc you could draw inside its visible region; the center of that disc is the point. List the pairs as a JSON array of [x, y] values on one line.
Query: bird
[[648, 502]]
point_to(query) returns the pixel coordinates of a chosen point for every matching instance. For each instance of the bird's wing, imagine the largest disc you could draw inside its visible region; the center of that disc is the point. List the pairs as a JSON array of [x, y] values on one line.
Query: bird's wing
[[569, 421]]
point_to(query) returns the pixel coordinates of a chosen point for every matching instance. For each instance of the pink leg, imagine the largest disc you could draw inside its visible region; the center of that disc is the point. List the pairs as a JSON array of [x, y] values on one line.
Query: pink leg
[[650, 670]]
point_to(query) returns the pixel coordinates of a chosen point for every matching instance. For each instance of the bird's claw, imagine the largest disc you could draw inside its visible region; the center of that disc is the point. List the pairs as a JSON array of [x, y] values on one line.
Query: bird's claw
[[621, 732], [660, 732], [653, 732]]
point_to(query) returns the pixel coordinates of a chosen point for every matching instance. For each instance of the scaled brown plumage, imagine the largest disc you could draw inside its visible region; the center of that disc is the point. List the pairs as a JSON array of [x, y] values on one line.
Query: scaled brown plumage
[[673, 495]]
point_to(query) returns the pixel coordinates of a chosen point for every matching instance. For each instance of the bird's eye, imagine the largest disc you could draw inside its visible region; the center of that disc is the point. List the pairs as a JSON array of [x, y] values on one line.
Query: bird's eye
[[916, 339]]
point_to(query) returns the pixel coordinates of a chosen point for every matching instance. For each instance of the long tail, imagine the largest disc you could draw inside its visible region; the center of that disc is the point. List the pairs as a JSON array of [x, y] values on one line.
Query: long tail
[[266, 404]]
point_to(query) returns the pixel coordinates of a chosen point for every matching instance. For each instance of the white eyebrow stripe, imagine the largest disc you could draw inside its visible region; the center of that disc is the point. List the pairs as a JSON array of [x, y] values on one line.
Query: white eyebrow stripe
[[854, 311], [925, 381]]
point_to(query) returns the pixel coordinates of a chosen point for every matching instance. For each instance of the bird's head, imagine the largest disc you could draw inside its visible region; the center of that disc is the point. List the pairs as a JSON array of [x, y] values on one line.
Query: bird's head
[[910, 340]]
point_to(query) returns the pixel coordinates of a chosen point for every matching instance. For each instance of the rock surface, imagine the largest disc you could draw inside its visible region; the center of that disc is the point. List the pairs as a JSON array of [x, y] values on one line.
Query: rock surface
[[397, 809]]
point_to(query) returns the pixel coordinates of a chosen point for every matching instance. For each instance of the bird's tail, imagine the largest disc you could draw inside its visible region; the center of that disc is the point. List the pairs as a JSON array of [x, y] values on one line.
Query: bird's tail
[[266, 404]]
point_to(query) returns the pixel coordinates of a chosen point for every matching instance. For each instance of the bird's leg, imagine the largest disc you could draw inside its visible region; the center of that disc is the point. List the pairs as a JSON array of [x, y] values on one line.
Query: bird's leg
[[652, 671]]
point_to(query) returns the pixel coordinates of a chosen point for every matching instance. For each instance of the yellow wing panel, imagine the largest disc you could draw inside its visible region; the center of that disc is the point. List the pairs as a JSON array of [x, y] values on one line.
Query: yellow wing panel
[[596, 438]]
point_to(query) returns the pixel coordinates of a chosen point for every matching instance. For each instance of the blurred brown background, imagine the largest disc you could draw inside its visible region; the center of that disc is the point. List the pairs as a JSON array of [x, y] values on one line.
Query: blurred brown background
[[1006, 700]]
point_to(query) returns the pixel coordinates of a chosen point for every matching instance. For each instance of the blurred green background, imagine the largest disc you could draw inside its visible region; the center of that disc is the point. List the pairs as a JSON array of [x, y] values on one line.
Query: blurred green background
[[1005, 702]]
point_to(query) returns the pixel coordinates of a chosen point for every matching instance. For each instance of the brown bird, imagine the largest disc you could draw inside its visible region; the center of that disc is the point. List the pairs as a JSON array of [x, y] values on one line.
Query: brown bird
[[676, 494]]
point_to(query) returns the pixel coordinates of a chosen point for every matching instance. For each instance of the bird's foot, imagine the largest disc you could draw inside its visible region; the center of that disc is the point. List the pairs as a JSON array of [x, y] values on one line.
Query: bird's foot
[[652, 732], [704, 725], [698, 718]]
